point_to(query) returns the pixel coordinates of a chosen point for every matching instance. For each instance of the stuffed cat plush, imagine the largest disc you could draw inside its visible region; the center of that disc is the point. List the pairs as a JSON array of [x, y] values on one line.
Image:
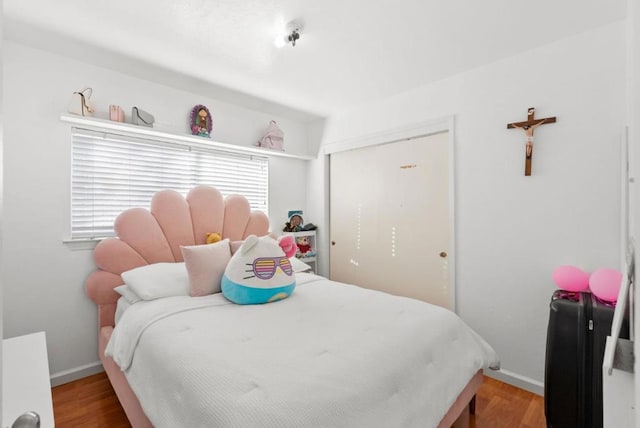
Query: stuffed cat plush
[[260, 271]]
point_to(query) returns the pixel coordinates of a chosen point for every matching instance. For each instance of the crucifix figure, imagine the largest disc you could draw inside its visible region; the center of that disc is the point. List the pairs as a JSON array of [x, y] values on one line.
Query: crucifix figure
[[528, 126]]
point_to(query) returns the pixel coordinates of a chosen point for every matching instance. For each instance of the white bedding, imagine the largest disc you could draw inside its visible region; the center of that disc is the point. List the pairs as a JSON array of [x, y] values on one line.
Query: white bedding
[[331, 355], [121, 306]]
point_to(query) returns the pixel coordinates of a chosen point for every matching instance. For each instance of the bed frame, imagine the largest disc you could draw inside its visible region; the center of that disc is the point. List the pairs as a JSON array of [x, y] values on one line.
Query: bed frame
[[154, 236]]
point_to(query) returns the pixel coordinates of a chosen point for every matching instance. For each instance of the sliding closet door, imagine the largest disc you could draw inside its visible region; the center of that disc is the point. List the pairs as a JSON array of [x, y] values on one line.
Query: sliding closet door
[[390, 219]]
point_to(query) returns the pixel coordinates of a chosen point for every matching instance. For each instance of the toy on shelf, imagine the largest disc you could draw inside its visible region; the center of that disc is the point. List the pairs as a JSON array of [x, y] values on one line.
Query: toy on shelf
[[304, 246], [296, 223], [307, 255], [201, 121]]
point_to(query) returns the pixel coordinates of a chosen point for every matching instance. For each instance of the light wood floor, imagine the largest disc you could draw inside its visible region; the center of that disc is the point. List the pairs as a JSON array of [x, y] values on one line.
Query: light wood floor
[[91, 402]]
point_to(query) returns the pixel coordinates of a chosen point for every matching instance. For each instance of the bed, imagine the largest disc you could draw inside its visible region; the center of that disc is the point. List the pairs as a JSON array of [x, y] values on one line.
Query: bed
[[331, 354]]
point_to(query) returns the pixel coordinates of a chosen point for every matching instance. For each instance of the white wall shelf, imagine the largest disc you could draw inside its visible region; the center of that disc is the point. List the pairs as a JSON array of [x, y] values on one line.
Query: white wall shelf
[[102, 125]]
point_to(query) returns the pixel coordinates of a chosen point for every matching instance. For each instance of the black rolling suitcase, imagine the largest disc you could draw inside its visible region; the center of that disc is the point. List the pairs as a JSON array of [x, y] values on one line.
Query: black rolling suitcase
[[579, 324]]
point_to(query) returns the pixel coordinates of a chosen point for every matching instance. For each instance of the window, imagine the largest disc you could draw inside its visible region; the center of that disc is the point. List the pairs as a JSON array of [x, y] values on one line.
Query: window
[[112, 172]]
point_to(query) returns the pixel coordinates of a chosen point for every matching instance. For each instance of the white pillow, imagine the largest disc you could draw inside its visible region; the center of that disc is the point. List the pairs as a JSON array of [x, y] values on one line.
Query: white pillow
[[128, 294], [205, 266], [299, 266], [158, 280]]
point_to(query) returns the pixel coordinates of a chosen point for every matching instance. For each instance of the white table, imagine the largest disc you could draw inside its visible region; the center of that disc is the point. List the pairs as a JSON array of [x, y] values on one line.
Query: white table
[[25, 379]]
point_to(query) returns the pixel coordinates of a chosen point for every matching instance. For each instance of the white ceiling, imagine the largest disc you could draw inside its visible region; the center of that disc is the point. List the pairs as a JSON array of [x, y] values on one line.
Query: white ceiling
[[351, 51]]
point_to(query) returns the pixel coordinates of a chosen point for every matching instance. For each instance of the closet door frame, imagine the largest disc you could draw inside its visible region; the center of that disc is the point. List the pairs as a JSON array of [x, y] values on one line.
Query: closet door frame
[[421, 129]]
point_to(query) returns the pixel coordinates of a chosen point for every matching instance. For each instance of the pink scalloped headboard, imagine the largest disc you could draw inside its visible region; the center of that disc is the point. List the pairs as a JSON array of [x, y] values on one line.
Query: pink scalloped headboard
[[155, 235]]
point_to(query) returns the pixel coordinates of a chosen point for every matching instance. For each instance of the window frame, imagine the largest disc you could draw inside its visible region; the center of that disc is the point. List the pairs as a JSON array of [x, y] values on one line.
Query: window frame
[[156, 139]]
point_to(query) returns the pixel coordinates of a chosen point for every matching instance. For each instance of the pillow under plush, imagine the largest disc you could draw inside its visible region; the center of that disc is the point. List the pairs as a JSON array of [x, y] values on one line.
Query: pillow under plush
[[158, 280], [259, 272], [299, 266], [128, 294], [205, 266]]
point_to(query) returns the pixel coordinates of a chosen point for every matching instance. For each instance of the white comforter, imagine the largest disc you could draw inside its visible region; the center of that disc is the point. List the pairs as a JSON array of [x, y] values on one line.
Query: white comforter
[[331, 355]]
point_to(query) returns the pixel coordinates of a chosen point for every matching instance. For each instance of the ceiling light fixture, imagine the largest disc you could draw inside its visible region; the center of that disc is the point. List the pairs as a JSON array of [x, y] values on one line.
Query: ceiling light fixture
[[295, 35], [293, 31]]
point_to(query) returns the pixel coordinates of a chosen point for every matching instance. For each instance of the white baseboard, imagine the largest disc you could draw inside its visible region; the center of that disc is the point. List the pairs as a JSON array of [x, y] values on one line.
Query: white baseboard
[[515, 379], [76, 373]]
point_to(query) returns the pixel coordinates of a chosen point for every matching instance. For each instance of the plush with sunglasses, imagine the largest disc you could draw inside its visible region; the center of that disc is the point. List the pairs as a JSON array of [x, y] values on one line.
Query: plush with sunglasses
[[260, 271]]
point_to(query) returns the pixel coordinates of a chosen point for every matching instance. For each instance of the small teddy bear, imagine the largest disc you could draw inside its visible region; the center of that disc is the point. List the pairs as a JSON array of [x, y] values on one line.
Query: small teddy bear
[[213, 237], [304, 246]]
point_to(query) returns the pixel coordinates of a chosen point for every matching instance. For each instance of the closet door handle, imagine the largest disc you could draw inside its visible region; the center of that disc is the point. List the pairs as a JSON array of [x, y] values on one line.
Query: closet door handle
[[333, 242], [443, 254]]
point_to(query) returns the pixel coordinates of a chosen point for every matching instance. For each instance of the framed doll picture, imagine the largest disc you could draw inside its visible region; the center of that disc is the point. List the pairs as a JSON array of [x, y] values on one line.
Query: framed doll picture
[[201, 121]]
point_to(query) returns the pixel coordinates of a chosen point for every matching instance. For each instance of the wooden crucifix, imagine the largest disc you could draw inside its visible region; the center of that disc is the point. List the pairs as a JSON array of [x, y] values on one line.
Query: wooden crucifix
[[528, 126]]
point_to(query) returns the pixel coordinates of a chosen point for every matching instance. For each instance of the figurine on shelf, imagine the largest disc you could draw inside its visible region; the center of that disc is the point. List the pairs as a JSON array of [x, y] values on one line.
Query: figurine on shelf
[[201, 121], [294, 224], [304, 246]]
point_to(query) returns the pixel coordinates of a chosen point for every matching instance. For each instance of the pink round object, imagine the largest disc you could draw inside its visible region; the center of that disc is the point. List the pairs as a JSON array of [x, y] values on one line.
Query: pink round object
[[571, 278], [605, 284], [288, 245]]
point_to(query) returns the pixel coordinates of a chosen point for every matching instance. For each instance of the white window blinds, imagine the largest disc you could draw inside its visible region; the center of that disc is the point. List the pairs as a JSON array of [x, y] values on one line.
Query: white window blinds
[[111, 173]]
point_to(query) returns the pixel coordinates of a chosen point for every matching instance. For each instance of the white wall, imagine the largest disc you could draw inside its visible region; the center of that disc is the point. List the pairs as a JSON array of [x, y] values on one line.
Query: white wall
[[512, 230], [43, 277]]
